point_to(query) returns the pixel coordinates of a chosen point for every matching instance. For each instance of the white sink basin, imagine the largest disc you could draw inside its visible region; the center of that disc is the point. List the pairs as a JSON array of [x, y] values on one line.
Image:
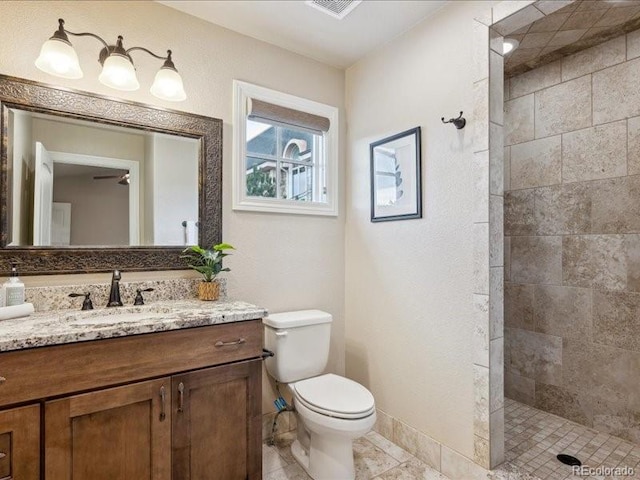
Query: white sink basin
[[115, 319], [115, 315]]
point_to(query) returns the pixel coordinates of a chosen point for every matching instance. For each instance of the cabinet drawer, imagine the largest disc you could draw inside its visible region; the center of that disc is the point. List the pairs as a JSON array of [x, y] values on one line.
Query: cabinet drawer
[[52, 371]]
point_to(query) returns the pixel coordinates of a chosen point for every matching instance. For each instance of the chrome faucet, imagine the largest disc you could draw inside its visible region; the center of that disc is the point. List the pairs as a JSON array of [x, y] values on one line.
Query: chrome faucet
[[114, 294]]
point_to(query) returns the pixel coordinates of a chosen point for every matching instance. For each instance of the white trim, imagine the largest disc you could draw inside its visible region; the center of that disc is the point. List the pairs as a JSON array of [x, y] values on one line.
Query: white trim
[[241, 92], [118, 163]]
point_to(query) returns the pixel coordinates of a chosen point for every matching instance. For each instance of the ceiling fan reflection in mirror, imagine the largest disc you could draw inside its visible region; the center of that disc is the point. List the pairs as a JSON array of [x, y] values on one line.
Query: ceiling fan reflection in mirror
[[121, 179]]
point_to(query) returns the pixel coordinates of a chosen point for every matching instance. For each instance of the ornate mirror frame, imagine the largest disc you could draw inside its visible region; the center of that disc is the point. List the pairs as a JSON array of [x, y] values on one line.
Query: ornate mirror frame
[[37, 97]]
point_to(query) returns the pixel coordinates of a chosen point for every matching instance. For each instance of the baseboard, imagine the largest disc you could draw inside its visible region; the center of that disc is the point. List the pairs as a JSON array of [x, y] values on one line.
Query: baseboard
[[440, 457]]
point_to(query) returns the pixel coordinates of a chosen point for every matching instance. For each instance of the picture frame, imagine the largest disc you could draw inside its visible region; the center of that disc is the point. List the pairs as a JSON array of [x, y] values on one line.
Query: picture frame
[[396, 187]]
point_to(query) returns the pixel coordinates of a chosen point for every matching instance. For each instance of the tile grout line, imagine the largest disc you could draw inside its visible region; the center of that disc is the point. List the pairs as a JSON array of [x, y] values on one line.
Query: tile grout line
[[562, 60], [604, 124], [562, 159], [627, 145]]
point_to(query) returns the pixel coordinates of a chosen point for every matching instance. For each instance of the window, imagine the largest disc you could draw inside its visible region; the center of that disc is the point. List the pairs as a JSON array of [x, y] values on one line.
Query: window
[[285, 153]]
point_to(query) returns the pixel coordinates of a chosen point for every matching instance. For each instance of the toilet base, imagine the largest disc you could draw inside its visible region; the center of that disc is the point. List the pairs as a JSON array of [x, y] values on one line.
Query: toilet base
[[328, 458]]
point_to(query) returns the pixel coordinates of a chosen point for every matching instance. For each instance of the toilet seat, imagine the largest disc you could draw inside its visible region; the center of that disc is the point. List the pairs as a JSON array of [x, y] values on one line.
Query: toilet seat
[[334, 396]]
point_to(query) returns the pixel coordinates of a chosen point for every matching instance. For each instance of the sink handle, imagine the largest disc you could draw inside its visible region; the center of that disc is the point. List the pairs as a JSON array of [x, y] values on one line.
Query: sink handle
[[139, 300], [87, 304]]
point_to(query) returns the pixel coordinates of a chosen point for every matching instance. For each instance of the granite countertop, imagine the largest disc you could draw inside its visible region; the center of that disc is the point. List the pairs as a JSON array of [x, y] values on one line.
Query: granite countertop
[[69, 326]]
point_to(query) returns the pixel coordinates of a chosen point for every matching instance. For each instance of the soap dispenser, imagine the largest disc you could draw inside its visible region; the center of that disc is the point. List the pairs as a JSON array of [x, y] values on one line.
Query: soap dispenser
[[13, 289]]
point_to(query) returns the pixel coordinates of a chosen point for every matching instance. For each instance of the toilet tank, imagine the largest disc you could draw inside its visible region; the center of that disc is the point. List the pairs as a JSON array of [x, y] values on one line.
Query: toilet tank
[[300, 342]]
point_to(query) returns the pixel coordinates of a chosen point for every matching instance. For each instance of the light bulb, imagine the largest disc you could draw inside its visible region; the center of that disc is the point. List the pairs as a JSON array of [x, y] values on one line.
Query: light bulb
[[509, 45], [58, 58], [118, 72], [168, 85]]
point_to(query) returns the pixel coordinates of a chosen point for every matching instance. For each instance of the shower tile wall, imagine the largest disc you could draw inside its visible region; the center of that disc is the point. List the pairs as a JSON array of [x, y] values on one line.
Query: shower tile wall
[[572, 237]]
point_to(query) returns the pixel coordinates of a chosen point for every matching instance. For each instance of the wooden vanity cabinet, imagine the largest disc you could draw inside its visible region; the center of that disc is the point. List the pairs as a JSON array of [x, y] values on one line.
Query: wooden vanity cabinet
[[214, 412], [196, 415], [113, 434], [20, 443]]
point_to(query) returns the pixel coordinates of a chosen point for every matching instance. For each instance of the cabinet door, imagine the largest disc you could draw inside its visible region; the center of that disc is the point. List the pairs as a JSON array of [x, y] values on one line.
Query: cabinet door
[[217, 424], [121, 433], [20, 443]]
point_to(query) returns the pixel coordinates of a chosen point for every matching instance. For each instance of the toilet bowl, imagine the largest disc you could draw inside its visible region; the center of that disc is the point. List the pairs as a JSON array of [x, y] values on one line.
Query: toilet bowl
[[331, 410]]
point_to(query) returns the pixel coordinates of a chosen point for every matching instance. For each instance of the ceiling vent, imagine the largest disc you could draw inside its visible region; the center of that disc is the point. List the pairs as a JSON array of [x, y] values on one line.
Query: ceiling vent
[[336, 8]]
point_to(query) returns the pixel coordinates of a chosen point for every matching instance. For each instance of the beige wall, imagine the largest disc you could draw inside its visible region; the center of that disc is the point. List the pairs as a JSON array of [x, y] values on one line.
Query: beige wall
[[99, 209], [410, 283], [283, 261], [83, 139], [147, 218], [572, 217], [20, 154], [174, 178]]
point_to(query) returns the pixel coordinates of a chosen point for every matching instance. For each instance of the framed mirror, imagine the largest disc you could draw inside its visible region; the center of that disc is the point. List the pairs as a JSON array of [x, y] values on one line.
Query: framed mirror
[[90, 183]]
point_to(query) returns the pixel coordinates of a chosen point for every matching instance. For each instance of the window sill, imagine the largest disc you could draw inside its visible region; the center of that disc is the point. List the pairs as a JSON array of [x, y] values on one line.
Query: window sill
[[286, 207]]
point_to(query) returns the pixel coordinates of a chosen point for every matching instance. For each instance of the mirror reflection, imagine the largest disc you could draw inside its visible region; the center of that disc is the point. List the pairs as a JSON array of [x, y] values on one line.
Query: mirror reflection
[[79, 183]]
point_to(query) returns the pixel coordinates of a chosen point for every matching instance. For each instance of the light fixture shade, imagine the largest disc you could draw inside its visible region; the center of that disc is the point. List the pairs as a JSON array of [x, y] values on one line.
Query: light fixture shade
[[58, 58], [168, 85], [118, 72]]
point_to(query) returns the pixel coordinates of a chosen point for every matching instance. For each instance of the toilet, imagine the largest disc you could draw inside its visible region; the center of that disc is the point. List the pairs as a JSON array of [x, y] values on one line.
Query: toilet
[[331, 410]]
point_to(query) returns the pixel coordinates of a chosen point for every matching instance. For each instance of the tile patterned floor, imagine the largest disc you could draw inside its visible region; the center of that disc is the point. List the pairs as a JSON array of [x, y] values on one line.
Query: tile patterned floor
[[533, 439], [375, 458]]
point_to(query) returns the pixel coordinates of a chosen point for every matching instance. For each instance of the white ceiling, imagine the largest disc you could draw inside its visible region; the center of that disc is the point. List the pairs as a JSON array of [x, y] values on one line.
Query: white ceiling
[[295, 26], [69, 170]]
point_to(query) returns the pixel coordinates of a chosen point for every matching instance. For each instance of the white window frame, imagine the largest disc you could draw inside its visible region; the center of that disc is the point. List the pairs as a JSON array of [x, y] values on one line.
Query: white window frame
[[242, 91]]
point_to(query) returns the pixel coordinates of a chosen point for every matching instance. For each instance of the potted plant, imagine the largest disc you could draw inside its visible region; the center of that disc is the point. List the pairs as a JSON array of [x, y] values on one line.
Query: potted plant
[[208, 263]]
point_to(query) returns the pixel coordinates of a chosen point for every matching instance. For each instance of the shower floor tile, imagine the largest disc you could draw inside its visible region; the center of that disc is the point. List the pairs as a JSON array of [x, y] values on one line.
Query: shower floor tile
[[533, 439]]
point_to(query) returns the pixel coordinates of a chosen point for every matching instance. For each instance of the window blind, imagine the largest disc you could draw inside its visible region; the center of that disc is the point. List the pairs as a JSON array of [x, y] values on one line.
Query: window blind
[[261, 110]]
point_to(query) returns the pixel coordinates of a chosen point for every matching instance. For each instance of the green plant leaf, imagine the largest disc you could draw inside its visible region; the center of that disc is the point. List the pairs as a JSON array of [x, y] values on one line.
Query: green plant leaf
[[195, 249], [223, 246], [207, 262], [209, 255]]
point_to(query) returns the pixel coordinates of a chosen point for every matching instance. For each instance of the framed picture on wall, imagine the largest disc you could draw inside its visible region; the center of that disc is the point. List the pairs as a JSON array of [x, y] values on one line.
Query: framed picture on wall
[[396, 192]]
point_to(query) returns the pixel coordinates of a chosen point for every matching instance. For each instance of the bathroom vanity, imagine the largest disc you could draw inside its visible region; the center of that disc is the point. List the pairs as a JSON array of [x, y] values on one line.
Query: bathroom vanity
[[168, 391]]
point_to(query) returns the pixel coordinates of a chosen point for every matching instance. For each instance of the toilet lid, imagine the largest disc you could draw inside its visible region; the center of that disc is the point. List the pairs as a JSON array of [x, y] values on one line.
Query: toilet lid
[[335, 396]]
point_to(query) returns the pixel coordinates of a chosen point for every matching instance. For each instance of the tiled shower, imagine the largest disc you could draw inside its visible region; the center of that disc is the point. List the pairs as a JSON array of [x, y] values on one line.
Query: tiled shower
[[572, 237]]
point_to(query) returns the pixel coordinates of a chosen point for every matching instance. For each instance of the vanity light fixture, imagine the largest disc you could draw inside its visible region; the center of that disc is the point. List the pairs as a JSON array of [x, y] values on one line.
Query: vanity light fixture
[[57, 57], [509, 45]]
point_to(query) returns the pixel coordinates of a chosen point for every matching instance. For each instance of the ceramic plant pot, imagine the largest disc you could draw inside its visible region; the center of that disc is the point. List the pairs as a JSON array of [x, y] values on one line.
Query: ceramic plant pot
[[208, 291]]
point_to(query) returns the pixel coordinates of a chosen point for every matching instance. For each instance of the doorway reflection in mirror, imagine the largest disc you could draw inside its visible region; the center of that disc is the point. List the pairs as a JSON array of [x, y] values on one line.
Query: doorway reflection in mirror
[[79, 183]]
